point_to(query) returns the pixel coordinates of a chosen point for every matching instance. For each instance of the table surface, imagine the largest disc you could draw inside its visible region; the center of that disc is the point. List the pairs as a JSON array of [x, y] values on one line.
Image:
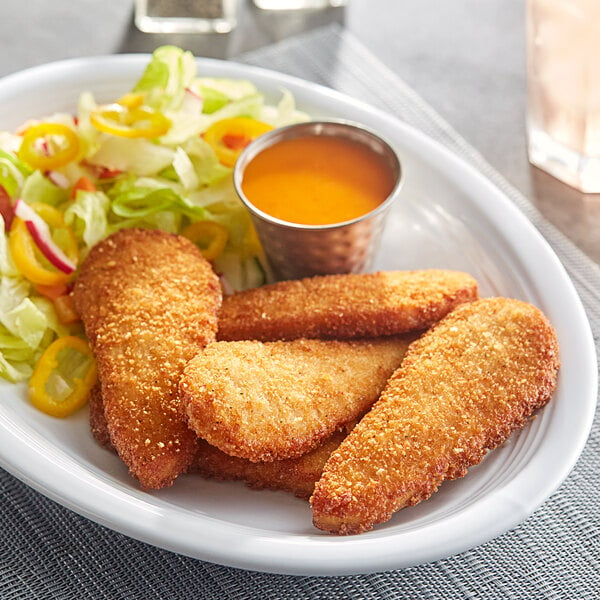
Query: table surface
[[466, 58]]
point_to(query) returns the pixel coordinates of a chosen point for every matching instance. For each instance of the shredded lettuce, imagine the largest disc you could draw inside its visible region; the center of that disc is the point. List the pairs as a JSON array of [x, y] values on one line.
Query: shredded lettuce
[[12, 173], [27, 326], [184, 168], [285, 113], [38, 188], [248, 106], [134, 156], [166, 220], [141, 202], [13, 347], [45, 307], [138, 198], [223, 89], [216, 198], [166, 77], [15, 371], [22, 329], [89, 136], [206, 165], [212, 100], [183, 125], [26, 321], [87, 216]]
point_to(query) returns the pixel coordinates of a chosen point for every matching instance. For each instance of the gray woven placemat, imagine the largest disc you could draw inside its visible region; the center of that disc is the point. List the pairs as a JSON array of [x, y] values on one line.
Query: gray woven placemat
[[47, 551]]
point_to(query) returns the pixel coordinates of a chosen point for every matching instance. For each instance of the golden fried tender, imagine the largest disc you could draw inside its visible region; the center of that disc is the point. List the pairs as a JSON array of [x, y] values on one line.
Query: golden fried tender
[[274, 400], [295, 475], [461, 390], [149, 302], [98, 424], [344, 306]]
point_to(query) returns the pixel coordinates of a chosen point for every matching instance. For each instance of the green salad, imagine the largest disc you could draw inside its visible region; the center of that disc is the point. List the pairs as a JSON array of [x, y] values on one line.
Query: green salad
[[160, 157]]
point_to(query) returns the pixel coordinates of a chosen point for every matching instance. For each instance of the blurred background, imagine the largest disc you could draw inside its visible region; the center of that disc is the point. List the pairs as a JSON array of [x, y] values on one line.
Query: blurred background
[[466, 58]]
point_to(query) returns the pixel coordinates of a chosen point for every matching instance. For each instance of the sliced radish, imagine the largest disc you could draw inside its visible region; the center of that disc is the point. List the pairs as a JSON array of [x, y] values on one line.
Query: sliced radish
[[226, 287], [40, 232], [192, 102], [58, 179], [6, 209], [43, 147]]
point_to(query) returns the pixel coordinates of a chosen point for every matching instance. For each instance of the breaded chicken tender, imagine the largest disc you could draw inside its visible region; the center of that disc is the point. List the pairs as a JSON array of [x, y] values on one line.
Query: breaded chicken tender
[[275, 400], [345, 306], [98, 425], [149, 303], [295, 475], [463, 387]]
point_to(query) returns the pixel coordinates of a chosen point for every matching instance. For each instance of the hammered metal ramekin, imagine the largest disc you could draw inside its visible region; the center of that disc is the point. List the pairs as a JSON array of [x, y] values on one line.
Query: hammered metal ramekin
[[296, 250]]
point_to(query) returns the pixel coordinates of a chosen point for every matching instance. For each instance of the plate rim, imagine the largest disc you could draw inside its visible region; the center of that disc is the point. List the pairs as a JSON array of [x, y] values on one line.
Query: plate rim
[[273, 559]]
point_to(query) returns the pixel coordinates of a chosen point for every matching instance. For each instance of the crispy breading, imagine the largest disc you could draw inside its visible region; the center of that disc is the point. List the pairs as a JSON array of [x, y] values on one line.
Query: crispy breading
[[275, 400], [344, 306], [463, 387], [149, 302], [97, 418], [295, 475]]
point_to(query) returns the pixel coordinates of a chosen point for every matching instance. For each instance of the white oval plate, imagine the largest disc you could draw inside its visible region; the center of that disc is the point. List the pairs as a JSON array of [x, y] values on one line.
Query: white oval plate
[[449, 216]]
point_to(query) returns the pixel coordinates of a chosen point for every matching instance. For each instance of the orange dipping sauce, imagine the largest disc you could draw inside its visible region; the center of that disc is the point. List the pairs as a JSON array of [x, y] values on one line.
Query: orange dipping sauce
[[317, 180]]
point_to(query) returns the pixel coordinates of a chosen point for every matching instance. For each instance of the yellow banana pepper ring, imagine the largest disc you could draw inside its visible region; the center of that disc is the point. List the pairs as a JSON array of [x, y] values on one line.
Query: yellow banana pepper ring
[[130, 120], [228, 137], [131, 100], [209, 236], [29, 260], [63, 377], [48, 146]]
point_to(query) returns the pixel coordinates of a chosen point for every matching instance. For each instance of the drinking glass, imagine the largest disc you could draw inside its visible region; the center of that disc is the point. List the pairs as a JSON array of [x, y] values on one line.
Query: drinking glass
[[563, 42]]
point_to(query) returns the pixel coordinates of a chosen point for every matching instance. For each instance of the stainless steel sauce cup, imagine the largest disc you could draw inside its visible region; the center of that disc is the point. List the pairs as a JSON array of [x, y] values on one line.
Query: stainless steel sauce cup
[[297, 250]]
